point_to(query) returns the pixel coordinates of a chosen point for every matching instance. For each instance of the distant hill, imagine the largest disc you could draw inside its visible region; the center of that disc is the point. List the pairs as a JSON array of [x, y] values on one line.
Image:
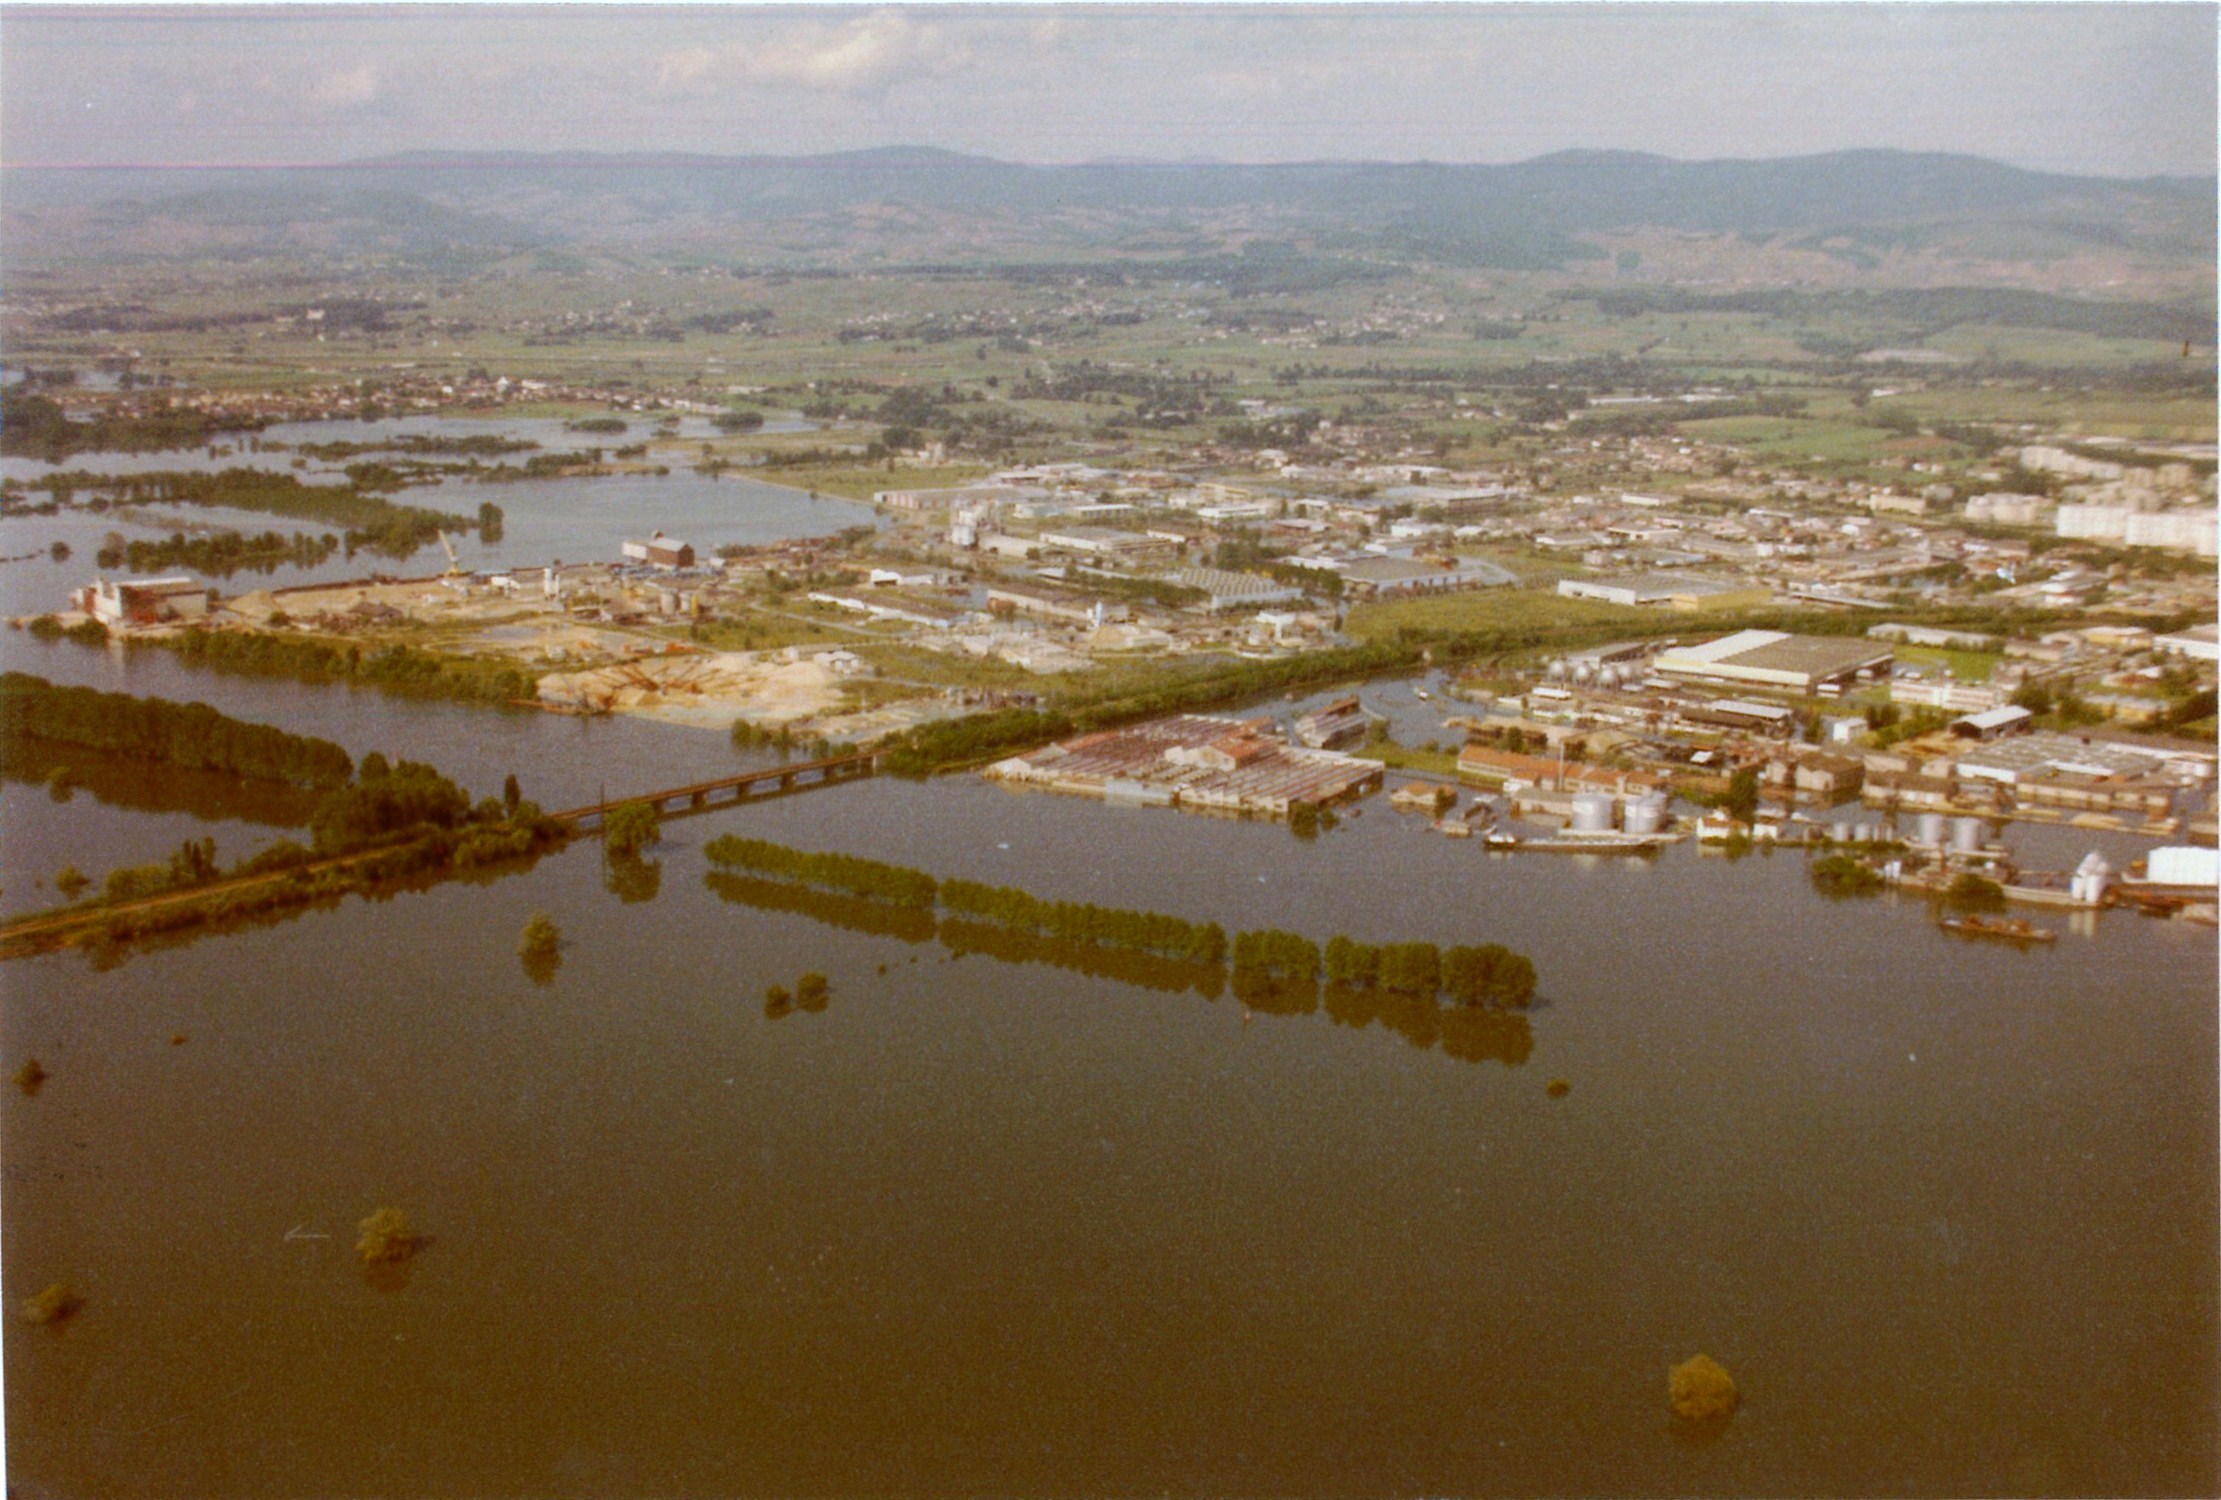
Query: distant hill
[[1851, 212]]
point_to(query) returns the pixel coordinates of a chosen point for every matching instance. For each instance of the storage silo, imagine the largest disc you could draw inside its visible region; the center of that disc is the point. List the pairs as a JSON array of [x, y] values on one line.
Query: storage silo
[[1645, 814], [1592, 812], [1928, 829], [1966, 835]]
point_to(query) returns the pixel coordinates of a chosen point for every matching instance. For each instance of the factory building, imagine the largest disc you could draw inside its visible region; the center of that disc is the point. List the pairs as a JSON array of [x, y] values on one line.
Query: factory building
[[143, 601], [1779, 661], [1195, 761], [660, 551], [1666, 591]]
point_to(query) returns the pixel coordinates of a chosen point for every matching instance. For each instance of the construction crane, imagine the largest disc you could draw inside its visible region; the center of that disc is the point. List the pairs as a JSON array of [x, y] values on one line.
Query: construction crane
[[454, 563]]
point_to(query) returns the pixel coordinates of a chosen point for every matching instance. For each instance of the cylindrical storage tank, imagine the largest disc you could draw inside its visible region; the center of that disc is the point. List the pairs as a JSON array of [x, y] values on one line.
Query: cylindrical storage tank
[[667, 601], [1928, 828], [1583, 672], [1966, 835], [1645, 814], [1592, 812], [1558, 670]]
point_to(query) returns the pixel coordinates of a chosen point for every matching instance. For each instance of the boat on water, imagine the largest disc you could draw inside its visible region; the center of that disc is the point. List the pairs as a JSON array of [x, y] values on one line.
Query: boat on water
[[1585, 843], [2007, 929]]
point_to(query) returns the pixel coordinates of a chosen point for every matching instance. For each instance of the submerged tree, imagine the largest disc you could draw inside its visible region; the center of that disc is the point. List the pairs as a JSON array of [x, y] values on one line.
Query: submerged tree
[[631, 828], [386, 1238]]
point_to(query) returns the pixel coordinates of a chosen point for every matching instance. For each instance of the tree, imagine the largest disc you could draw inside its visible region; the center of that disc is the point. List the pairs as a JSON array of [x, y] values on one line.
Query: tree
[[1972, 893], [1741, 801], [511, 794], [812, 991], [69, 881], [385, 1238], [540, 938], [630, 828]]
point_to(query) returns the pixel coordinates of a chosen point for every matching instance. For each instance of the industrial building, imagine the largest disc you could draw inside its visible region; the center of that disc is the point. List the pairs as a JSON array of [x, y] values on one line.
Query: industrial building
[[1396, 577], [1235, 590], [143, 601], [1667, 591], [1774, 659], [1195, 761], [660, 551]]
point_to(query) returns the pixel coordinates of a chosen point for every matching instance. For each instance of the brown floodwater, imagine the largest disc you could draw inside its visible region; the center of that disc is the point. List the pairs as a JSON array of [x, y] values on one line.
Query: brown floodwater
[[1008, 1218]]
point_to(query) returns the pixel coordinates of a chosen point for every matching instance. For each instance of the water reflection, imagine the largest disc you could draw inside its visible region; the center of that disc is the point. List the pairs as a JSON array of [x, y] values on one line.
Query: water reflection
[[632, 879], [1474, 1033], [1147, 971], [143, 786], [1471, 1034], [852, 913]]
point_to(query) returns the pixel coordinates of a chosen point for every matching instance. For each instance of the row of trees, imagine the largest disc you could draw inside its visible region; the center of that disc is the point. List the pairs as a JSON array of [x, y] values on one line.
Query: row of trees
[[218, 554], [1486, 975], [398, 668], [367, 521], [1489, 974], [190, 735], [1076, 921], [33, 426], [844, 872]]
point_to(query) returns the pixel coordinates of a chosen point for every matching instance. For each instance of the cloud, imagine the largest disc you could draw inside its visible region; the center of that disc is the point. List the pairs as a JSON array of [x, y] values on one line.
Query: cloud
[[861, 56], [346, 90]]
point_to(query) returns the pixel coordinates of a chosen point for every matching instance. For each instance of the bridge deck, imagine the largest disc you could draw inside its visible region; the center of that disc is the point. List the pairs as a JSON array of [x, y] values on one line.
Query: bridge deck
[[800, 776]]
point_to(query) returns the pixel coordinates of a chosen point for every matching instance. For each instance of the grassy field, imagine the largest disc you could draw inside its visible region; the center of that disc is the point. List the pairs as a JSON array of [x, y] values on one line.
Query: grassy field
[[1487, 609], [1964, 666]]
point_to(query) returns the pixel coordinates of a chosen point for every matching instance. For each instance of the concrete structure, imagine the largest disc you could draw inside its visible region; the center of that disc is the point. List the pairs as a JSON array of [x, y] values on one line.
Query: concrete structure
[[2194, 531], [2199, 643], [2006, 509], [126, 602], [1098, 541], [1773, 659], [1667, 590]]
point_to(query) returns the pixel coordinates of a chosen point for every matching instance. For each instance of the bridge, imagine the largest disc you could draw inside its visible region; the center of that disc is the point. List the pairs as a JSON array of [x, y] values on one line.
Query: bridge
[[728, 791]]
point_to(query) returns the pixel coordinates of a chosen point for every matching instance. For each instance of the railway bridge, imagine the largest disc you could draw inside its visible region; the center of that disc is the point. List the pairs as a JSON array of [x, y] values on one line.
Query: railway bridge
[[727, 791]]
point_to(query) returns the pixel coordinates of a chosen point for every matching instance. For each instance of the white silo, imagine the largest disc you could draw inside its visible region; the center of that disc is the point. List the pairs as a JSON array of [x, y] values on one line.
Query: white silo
[[1928, 829], [1592, 812], [2090, 879], [1966, 835], [1645, 814]]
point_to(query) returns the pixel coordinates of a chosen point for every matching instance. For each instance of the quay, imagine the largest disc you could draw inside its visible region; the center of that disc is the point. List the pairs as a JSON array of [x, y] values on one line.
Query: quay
[[727, 791]]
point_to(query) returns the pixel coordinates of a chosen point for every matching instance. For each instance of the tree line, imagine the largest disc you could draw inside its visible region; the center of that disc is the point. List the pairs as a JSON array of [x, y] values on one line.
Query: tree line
[[219, 554], [1079, 922], [397, 668], [1268, 964], [191, 735]]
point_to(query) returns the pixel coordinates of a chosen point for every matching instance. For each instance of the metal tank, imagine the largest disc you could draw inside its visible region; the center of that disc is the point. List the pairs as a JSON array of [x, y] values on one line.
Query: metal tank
[[1645, 814], [1592, 812], [1928, 829], [1966, 835]]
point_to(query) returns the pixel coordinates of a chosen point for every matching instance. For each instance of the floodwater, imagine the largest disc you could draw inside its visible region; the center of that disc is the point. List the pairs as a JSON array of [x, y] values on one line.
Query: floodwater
[[1946, 1210], [568, 520]]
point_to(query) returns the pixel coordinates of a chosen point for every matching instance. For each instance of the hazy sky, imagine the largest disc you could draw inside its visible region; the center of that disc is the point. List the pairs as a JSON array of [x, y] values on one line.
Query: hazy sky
[[2115, 89]]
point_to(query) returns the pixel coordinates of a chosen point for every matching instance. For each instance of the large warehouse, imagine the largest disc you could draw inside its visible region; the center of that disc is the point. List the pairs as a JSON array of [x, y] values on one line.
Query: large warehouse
[[1784, 663]]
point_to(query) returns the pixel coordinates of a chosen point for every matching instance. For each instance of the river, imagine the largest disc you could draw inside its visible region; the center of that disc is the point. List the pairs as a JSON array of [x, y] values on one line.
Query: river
[[1946, 1210], [570, 520]]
